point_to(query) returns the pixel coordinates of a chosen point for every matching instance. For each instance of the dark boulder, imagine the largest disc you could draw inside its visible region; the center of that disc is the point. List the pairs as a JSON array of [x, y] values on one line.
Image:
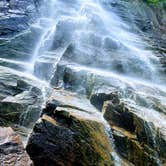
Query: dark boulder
[[69, 134]]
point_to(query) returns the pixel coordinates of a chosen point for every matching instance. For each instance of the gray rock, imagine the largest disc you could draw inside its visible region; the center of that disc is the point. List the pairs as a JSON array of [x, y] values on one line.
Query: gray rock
[[16, 16], [18, 94], [135, 133], [148, 20]]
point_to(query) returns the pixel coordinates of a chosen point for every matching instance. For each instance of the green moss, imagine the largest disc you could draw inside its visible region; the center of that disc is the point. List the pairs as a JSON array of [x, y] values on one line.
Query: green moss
[[11, 111], [93, 142], [155, 1]]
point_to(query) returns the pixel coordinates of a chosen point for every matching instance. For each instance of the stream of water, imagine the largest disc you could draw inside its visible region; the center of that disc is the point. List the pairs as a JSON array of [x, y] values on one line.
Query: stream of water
[[103, 44], [97, 32]]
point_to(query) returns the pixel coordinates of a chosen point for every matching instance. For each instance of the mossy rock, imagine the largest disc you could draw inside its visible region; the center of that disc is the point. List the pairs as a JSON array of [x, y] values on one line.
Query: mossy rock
[[137, 138], [133, 151], [69, 137]]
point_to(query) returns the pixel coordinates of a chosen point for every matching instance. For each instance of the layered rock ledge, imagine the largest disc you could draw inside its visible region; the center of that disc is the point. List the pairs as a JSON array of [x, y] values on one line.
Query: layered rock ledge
[[139, 132], [69, 132], [20, 98]]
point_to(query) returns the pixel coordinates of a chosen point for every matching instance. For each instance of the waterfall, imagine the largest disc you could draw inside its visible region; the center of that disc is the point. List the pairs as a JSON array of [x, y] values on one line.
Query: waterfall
[[88, 35], [98, 33]]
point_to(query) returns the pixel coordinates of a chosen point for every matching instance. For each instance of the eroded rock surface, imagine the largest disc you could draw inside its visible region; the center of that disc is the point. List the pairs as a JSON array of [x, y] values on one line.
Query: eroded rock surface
[[148, 20], [69, 132], [16, 16], [95, 63], [17, 39]]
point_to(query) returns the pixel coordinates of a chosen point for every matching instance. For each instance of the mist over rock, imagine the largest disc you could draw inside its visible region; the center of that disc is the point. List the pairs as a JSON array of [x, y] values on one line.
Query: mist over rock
[[85, 79]]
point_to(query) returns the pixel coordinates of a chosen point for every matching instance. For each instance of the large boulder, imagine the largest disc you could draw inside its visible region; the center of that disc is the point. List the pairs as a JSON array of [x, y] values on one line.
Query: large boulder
[[12, 151], [69, 132]]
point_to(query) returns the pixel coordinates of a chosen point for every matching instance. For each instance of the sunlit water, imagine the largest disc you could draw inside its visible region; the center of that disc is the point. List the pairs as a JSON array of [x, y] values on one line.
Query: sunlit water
[[91, 37], [102, 38]]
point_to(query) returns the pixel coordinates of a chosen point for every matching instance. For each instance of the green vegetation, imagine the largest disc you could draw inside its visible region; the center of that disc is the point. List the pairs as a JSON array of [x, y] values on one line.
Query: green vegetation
[[156, 1]]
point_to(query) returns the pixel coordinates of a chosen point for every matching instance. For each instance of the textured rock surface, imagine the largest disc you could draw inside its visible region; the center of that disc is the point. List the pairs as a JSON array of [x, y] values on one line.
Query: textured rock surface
[[138, 124], [17, 39], [19, 96], [16, 16], [134, 137], [139, 135], [12, 151], [151, 21], [69, 133], [148, 19]]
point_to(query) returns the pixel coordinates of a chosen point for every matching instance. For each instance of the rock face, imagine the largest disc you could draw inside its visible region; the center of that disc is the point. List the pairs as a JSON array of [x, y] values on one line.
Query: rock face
[[151, 22], [12, 151], [148, 19], [20, 98], [69, 133], [16, 16], [17, 39], [139, 137]]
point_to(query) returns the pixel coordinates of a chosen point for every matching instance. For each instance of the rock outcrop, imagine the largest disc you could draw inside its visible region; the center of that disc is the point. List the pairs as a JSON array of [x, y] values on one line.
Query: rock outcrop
[[151, 21], [142, 140], [17, 36], [69, 132], [139, 137], [20, 98], [12, 151]]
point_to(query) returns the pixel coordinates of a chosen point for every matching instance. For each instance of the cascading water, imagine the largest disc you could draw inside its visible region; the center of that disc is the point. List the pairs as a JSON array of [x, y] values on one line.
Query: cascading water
[[92, 29], [89, 36]]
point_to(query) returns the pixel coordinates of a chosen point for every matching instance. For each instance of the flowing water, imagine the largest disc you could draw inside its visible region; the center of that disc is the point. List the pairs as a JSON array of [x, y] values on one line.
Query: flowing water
[[89, 37], [102, 39]]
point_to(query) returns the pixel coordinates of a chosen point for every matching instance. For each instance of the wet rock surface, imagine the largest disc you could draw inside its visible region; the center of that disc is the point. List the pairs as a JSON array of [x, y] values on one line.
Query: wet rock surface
[[12, 151], [148, 19], [20, 96], [139, 140], [139, 137], [17, 39], [16, 16], [136, 113], [69, 132]]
